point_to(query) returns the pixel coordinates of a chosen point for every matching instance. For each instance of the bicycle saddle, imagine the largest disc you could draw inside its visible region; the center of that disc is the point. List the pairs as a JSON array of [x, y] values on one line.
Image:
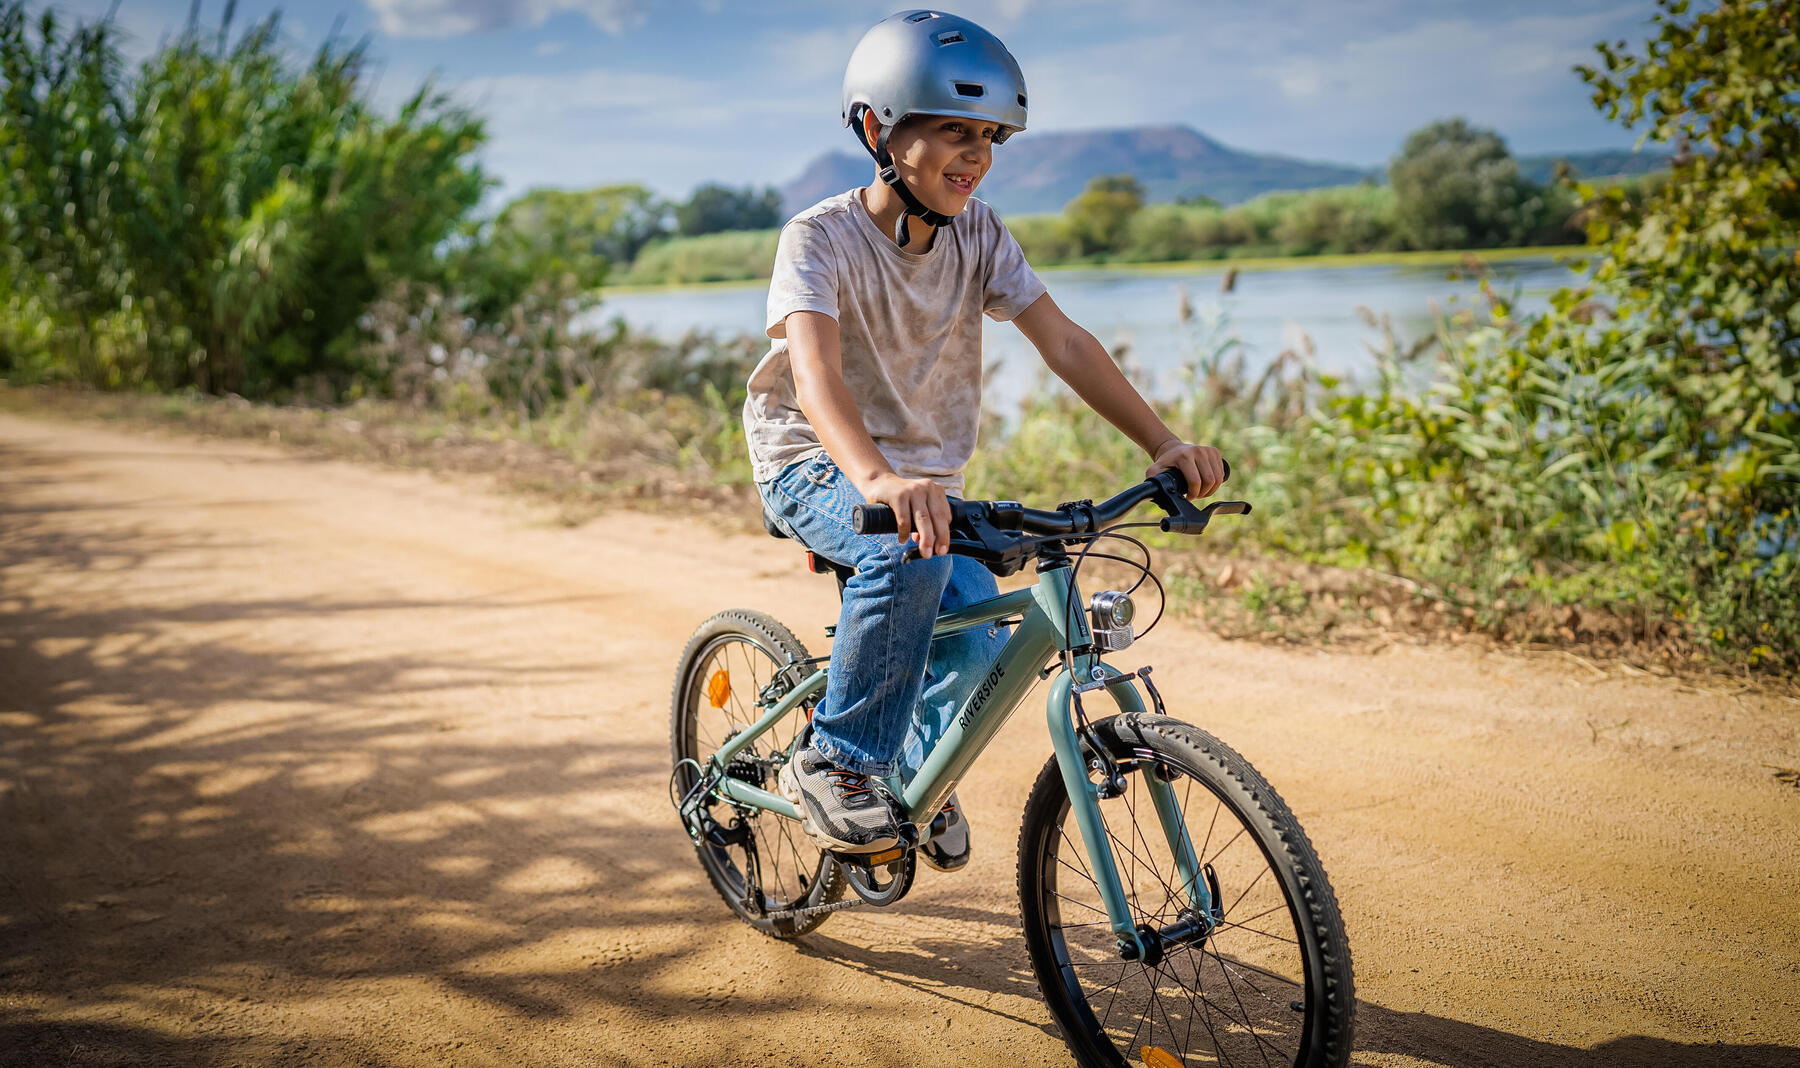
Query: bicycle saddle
[[815, 563]]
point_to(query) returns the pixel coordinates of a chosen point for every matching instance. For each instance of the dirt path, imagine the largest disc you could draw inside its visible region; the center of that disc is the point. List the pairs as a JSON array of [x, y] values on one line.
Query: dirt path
[[310, 763]]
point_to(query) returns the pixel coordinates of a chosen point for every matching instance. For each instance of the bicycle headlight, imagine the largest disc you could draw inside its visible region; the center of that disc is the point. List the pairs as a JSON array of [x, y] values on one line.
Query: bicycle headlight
[[1111, 610]]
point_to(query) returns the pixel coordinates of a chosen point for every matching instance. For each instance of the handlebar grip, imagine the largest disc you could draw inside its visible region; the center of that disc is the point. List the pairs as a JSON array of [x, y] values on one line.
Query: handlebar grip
[[874, 519], [1181, 479]]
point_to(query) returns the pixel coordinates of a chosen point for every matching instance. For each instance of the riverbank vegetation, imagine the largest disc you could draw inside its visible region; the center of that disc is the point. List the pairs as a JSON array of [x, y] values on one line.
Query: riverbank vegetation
[[1626, 462], [1452, 187]]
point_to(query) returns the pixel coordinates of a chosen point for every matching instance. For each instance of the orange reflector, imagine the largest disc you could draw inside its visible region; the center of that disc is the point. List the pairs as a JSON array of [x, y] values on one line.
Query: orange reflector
[[886, 856], [1156, 1058], [718, 688]]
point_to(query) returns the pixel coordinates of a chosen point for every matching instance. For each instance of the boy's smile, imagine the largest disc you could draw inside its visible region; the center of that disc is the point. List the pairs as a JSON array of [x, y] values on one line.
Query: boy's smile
[[942, 158]]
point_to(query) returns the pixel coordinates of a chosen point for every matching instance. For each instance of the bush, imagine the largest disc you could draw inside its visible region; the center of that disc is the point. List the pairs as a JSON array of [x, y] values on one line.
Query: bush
[[1098, 217], [1045, 239], [729, 256], [1161, 233]]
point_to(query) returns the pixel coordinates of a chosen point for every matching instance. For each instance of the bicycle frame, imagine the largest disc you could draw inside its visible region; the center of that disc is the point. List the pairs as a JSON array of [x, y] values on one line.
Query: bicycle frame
[[1053, 620]]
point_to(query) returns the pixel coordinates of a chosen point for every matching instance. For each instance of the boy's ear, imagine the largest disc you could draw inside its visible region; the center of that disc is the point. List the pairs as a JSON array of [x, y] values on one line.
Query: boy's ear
[[871, 125]]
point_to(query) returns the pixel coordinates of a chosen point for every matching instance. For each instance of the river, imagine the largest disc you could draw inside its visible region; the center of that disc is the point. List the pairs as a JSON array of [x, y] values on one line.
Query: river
[[1311, 309]]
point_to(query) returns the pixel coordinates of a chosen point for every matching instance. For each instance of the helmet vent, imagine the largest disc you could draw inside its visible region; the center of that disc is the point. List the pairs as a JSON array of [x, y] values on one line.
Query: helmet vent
[[950, 37], [1021, 99], [921, 16], [970, 89]]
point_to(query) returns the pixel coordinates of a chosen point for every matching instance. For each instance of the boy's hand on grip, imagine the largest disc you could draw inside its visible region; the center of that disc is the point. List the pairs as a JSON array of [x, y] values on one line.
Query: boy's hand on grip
[[921, 510], [1201, 465]]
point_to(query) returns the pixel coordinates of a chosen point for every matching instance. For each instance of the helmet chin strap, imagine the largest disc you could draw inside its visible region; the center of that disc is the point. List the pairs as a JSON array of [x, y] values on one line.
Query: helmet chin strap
[[890, 176]]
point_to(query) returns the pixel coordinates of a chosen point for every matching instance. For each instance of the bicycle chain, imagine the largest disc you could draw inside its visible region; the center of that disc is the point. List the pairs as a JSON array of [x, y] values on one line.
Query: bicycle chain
[[815, 910]]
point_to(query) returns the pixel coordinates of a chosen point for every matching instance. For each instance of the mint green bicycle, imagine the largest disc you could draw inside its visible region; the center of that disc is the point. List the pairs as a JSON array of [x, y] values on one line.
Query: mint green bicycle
[[1174, 911]]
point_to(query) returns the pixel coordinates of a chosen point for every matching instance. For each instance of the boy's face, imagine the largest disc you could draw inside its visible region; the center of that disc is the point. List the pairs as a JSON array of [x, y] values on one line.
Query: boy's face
[[942, 158]]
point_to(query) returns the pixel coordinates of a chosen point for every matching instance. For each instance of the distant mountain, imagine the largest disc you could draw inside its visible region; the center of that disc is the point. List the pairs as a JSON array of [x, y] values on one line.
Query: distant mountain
[[1039, 173], [828, 175]]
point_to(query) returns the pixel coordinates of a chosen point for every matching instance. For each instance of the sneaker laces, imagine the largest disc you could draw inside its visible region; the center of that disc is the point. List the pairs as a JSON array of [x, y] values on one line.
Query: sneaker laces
[[848, 784]]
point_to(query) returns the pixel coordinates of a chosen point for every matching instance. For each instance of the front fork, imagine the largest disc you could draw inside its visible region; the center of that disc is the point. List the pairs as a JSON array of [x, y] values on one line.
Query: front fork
[[1084, 800]]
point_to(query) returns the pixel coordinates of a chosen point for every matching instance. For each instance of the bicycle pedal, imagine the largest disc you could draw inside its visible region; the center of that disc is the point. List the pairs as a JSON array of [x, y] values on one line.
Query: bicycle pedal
[[877, 859], [886, 856]]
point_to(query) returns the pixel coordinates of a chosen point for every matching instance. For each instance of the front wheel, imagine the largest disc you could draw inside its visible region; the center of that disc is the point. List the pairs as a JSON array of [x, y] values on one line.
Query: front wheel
[[1247, 962]]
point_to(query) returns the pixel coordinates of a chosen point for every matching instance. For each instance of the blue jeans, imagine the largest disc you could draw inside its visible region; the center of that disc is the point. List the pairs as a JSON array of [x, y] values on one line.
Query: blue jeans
[[892, 691]]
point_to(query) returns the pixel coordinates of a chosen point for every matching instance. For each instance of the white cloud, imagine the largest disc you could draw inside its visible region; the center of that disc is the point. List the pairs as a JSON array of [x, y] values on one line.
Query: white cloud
[[1331, 82], [813, 55], [550, 48], [1506, 72], [452, 18], [584, 128]]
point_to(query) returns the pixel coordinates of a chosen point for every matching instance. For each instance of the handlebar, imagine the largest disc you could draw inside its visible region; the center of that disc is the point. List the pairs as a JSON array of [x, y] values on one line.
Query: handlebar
[[1004, 534]]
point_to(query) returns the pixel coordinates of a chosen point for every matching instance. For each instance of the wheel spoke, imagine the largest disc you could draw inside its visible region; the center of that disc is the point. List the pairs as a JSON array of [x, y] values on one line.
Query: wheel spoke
[[1196, 999], [1223, 924], [749, 654], [1244, 1014], [1189, 950], [1247, 888]]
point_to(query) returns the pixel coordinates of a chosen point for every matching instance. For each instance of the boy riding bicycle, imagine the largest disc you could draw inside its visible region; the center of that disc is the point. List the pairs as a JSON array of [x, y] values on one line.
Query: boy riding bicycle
[[871, 392]]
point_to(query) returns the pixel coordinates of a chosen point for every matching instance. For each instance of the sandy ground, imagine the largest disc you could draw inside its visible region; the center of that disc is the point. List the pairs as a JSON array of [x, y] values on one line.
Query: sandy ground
[[310, 763]]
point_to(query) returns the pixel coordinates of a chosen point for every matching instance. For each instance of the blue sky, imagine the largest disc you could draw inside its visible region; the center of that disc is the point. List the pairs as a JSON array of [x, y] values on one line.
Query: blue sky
[[677, 92]]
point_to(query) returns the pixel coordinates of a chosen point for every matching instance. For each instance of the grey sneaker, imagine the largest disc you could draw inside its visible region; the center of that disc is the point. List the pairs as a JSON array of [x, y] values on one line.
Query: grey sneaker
[[842, 811], [948, 848]]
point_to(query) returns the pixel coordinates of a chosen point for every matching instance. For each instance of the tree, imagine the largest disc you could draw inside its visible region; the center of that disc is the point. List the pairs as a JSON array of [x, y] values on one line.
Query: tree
[[1099, 216], [614, 221], [1458, 187], [715, 207], [1704, 282]]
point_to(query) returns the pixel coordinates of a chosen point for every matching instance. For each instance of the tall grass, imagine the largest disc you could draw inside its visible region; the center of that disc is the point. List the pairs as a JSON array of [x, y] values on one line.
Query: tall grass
[[218, 218]]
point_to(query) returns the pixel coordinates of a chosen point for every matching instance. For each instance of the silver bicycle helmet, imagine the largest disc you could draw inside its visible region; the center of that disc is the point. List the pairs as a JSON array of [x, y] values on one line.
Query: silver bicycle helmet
[[925, 62]]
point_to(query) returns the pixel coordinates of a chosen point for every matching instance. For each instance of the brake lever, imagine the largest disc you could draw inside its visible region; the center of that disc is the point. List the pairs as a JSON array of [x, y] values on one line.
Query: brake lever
[[912, 549], [1183, 517], [1193, 520]]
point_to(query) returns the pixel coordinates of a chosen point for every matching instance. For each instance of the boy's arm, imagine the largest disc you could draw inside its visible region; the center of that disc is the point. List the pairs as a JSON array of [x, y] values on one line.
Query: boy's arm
[[1082, 362], [817, 356]]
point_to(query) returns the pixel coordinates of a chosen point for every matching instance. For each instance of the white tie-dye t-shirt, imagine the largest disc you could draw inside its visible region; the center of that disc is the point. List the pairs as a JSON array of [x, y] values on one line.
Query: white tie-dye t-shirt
[[910, 329]]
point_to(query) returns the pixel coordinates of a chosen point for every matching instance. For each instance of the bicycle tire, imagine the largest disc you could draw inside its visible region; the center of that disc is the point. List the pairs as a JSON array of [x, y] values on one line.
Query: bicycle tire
[[749, 647], [1190, 1006]]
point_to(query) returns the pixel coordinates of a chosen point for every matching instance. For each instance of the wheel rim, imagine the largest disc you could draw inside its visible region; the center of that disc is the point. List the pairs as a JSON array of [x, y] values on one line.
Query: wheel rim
[[789, 862], [1226, 1000]]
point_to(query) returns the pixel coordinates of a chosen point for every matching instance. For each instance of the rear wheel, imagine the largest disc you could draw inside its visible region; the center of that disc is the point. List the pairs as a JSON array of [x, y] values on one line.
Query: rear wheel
[[1263, 980], [720, 684]]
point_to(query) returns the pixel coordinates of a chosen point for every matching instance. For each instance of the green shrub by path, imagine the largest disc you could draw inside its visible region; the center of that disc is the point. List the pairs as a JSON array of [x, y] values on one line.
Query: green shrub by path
[[219, 219]]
